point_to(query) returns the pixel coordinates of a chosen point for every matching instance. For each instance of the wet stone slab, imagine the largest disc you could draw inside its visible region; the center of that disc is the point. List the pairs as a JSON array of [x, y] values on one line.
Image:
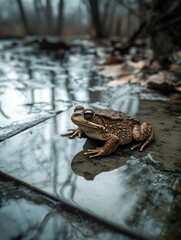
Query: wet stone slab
[[29, 214], [136, 191]]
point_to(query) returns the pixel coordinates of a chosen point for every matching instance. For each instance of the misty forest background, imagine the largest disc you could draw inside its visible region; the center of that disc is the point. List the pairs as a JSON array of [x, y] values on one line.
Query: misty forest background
[[156, 20]]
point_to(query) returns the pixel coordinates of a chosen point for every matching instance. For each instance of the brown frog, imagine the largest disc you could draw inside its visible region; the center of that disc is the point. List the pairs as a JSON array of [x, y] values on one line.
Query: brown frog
[[116, 128]]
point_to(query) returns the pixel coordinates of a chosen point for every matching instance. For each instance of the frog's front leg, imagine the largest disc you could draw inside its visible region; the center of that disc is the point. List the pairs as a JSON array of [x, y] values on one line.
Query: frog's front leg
[[109, 147], [72, 133], [143, 134]]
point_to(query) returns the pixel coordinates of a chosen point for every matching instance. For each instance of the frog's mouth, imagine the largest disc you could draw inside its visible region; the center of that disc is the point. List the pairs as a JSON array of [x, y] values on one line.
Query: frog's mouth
[[85, 123]]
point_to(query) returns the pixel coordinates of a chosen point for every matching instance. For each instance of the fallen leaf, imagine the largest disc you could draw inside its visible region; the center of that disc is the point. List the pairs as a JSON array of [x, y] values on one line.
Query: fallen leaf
[[121, 81], [178, 88], [121, 70], [138, 65], [112, 70], [114, 60], [175, 67], [164, 81]]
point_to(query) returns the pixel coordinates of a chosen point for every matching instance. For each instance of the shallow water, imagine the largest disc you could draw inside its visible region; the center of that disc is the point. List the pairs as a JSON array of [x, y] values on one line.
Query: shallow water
[[128, 189]]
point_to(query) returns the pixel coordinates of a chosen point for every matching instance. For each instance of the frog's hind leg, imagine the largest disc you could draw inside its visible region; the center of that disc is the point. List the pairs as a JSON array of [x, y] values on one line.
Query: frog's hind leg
[[143, 134], [150, 139]]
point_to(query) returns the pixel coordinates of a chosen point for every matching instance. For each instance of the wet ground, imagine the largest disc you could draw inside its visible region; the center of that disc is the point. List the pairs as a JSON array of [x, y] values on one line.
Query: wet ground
[[62, 192]]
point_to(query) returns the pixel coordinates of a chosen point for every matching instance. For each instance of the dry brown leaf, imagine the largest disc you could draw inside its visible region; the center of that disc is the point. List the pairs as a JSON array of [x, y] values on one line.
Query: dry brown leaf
[[138, 65], [121, 81], [175, 67], [112, 70], [164, 81], [113, 60], [121, 70], [178, 88]]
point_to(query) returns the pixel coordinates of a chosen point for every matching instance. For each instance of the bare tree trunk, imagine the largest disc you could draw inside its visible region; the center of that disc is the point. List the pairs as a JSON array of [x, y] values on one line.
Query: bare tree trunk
[[49, 17], [128, 22], [141, 11], [105, 16], [111, 18], [37, 6], [96, 17], [23, 17], [60, 18]]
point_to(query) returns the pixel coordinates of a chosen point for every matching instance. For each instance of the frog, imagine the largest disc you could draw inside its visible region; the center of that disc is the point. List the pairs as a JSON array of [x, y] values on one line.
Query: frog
[[112, 127]]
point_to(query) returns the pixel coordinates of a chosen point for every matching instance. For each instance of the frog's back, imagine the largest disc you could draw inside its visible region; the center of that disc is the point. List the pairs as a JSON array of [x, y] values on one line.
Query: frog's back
[[119, 124]]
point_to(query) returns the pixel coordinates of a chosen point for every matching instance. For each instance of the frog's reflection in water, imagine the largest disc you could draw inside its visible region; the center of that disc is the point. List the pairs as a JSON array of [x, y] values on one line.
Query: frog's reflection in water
[[88, 168]]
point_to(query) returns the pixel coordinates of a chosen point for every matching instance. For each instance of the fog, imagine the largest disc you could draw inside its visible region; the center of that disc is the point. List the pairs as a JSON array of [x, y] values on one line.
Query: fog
[[68, 18]]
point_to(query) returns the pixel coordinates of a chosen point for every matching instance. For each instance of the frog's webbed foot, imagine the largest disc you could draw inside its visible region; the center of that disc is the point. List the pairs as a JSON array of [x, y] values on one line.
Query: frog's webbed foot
[[136, 145], [72, 133], [99, 151]]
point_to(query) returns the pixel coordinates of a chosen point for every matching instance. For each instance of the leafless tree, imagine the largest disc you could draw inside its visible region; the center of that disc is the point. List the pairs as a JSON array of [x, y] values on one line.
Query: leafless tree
[[23, 17], [94, 8], [49, 17], [60, 17], [38, 9]]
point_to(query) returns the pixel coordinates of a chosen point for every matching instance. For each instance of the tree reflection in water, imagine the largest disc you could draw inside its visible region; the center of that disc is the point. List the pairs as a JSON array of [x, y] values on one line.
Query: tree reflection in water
[[26, 212]]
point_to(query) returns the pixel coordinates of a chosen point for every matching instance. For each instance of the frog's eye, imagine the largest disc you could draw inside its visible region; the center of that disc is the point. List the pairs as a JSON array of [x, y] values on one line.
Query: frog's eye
[[88, 114], [78, 108]]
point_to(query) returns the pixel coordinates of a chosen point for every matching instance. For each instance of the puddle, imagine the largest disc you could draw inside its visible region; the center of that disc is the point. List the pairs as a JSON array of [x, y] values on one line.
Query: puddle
[[33, 81], [36, 84], [128, 189]]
